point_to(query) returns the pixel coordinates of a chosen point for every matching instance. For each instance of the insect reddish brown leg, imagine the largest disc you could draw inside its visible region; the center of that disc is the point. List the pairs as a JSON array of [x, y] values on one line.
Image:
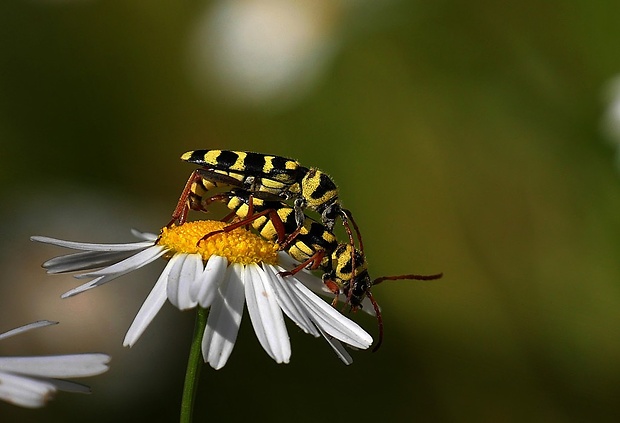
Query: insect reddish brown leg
[[229, 217], [335, 301], [379, 320], [333, 287], [180, 212], [219, 197], [290, 238], [214, 198], [251, 211], [273, 216], [315, 260]]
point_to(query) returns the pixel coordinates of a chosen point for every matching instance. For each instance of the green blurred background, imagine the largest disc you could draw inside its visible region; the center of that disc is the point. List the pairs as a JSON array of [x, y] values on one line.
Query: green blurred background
[[465, 137]]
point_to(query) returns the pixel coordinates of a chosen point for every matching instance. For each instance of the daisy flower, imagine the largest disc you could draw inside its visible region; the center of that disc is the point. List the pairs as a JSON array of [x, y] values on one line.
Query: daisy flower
[[31, 381], [223, 272]]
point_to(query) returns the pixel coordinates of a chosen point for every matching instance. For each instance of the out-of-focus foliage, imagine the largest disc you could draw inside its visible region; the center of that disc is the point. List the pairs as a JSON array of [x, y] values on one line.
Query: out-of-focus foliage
[[464, 136]]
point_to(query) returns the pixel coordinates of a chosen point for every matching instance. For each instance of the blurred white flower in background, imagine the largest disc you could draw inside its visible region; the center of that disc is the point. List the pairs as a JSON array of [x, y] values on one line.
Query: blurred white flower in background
[[74, 210], [264, 52], [611, 118]]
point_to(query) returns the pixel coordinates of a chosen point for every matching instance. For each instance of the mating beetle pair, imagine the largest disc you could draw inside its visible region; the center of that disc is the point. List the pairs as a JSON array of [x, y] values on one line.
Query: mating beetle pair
[[262, 185]]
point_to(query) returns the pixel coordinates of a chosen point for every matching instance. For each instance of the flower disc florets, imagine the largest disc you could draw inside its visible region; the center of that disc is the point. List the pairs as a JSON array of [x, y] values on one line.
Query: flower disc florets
[[238, 246]]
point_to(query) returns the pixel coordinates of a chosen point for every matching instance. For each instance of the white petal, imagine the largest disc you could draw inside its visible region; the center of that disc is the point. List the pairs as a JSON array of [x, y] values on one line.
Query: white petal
[[181, 275], [128, 265], [341, 352], [68, 386], [224, 319], [191, 272], [146, 236], [106, 275], [150, 308], [289, 303], [84, 287], [26, 328], [24, 391], [330, 320], [266, 315], [285, 285], [205, 287], [70, 365], [84, 260], [172, 287], [93, 247]]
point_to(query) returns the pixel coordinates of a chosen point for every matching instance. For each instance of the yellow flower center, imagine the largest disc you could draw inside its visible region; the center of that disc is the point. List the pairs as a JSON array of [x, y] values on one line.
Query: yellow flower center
[[238, 246]]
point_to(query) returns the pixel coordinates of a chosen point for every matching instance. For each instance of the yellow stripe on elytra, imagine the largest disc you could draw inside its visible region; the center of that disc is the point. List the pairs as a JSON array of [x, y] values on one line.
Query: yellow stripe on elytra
[[268, 166], [238, 246], [239, 164], [211, 156]]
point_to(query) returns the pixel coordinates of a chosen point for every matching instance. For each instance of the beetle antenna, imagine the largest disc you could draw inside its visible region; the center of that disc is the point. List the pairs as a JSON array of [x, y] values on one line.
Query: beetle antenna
[[415, 277], [376, 305], [379, 320]]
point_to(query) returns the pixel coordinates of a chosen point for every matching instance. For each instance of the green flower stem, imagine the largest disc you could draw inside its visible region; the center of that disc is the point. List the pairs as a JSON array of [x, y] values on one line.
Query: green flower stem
[[194, 364]]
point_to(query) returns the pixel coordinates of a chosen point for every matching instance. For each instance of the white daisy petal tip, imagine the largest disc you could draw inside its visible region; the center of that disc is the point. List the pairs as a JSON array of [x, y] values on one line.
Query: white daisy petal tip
[[224, 318], [26, 328], [266, 314]]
